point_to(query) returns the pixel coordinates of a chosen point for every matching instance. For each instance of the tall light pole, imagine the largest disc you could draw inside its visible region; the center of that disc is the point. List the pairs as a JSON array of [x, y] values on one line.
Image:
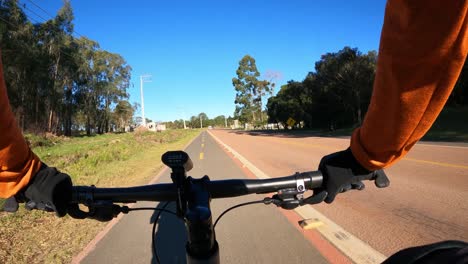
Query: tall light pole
[[143, 78], [201, 121]]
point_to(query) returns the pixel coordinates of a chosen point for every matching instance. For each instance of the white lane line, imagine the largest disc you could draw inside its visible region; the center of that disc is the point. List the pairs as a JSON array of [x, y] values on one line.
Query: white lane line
[[357, 250]]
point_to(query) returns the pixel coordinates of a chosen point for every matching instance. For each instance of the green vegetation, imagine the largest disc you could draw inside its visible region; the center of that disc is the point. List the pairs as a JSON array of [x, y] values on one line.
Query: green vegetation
[[336, 95], [58, 83], [194, 122], [103, 160], [451, 125], [250, 91]]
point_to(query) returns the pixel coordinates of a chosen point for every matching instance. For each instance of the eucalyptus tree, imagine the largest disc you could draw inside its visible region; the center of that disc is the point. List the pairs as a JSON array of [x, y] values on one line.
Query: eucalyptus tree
[[249, 90]]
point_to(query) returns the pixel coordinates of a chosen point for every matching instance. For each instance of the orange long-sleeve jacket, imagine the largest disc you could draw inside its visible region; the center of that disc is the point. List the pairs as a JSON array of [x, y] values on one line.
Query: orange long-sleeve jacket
[[17, 162], [423, 46]]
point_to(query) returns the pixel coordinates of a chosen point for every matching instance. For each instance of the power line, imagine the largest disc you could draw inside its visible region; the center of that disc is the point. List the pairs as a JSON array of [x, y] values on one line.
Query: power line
[[35, 13], [40, 8], [6, 21], [43, 10], [17, 27]]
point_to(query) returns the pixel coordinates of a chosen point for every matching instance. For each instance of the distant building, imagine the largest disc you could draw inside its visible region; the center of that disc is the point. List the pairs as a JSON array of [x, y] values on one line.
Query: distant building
[[160, 127], [236, 124], [155, 127]]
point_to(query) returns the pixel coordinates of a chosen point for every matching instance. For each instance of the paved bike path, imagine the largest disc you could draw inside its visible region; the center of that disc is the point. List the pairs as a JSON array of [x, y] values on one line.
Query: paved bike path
[[252, 234]]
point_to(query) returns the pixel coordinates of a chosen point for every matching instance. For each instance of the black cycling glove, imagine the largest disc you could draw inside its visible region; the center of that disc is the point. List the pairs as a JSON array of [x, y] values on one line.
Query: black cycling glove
[[49, 190], [342, 172]]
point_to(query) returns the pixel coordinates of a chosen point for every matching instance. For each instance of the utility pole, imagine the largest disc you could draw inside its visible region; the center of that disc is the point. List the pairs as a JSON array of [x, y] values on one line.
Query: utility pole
[[201, 122], [225, 121], [183, 115], [143, 78]]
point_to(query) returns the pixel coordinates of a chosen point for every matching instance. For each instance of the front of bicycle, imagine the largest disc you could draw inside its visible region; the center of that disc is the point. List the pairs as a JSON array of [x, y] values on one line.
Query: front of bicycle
[[193, 196]]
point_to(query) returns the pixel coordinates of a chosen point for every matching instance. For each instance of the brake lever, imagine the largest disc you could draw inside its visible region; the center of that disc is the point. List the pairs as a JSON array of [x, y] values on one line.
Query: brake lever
[[316, 198], [102, 211], [291, 198]]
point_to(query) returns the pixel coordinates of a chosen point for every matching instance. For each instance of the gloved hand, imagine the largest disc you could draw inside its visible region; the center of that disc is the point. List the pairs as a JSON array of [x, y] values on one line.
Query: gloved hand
[[49, 190], [342, 172]]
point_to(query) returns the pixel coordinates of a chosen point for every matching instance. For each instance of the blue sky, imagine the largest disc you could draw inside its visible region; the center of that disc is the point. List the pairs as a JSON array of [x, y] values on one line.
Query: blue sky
[[192, 48]]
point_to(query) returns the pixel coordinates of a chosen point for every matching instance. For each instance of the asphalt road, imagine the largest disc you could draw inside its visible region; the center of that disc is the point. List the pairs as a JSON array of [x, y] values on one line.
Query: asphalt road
[[253, 234], [426, 201]]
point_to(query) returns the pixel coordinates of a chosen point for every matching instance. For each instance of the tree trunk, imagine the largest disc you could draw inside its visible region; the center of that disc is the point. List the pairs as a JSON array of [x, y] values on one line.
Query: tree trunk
[[22, 121], [56, 125], [22, 115], [36, 117], [67, 125], [106, 125], [49, 126], [88, 126], [359, 115], [359, 112]]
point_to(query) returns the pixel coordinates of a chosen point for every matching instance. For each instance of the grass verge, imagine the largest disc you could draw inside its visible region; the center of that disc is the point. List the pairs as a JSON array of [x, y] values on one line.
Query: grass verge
[[105, 160]]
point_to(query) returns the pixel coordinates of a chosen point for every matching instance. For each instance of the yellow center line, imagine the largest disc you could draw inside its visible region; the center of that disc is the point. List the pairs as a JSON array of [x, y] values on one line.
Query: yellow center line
[[438, 163], [202, 145], [201, 155]]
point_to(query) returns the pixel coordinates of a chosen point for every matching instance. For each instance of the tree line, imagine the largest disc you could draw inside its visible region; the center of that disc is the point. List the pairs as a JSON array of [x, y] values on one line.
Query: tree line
[[338, 92], [201, 120], [57, 82]]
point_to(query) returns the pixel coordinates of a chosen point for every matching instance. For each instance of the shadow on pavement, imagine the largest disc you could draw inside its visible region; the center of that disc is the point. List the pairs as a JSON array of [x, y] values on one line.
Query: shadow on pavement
[[456, 138], [341, 133], [170, 237]]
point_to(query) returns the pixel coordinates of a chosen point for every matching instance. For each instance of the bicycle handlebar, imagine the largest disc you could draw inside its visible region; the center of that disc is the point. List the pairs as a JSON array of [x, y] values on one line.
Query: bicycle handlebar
[[193, 198], [217, 189]]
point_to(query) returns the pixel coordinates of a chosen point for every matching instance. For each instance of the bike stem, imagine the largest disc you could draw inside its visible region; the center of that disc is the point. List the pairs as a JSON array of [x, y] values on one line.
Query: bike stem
[[179, 177], [193, 205], [202, 246]]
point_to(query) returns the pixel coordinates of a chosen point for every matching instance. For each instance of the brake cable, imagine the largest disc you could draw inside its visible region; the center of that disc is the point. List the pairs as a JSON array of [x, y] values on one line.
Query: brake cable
[[287, 199], [153, 235], [234, 207], [126, 210]]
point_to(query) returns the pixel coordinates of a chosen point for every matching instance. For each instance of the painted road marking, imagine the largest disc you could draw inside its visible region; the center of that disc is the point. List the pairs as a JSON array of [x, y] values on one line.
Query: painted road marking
[[201, 155], [310, 223], [442, 146], [357, 250], [438, 163], [443, 164], [202, 145]]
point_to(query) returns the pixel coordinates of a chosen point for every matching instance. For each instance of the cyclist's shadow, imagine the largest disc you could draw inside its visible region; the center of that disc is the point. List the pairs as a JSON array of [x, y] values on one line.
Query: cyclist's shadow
[[171, 236]]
